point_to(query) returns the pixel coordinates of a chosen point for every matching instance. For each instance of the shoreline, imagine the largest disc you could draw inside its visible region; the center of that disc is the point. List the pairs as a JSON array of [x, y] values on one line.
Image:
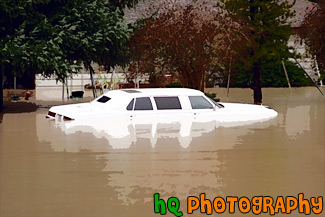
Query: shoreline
[[45, 98]]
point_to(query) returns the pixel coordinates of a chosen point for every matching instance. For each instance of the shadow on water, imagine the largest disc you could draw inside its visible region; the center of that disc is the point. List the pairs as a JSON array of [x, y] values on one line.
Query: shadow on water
[[14, 106], [11, 107]]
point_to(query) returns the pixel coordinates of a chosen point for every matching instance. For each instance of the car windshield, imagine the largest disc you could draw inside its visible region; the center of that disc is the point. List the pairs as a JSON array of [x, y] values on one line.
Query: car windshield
[[199, 102], [219, 105]]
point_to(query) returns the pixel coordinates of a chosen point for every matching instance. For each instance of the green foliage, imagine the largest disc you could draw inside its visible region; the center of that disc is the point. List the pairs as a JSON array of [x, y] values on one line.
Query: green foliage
[[55, 37], [270, 29], [273, 76], [174, 84], [269, 34], [212, 96]]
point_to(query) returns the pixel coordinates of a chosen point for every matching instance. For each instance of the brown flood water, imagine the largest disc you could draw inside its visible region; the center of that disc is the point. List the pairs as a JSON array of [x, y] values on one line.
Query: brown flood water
[[45, 171]]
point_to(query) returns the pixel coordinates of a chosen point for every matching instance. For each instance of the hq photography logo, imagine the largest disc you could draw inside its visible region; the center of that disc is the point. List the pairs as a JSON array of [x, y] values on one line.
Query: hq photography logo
[[232, 205]]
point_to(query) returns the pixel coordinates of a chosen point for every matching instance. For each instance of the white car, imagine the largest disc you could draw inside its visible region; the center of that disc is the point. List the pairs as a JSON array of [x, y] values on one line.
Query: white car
[[170, 103]]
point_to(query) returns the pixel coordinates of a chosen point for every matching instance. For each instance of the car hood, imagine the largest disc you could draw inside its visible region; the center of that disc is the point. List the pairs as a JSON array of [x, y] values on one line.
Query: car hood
[[245, 112], [73, 110]]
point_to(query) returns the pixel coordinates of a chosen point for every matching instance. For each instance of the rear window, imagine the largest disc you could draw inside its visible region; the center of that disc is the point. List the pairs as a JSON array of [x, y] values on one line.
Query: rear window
[[165, 103], [103, 99], [199, 102], [143, 103]]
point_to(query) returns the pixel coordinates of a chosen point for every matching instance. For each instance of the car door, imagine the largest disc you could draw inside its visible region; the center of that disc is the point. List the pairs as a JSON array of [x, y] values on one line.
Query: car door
[[141, 110], [202, 108], [141, 116], [169, 109]]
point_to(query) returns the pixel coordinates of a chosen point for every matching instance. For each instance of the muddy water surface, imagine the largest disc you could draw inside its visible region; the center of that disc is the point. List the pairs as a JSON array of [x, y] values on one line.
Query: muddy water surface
[[48, 168]]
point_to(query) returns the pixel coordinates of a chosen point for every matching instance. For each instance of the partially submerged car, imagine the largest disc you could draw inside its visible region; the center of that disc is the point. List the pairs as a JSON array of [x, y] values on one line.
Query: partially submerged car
[[169, 103]]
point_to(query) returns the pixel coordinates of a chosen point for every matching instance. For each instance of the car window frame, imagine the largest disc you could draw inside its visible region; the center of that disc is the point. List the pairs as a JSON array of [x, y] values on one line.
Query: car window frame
[[151, 103], [133, 103], [212, 105], [167, 109]]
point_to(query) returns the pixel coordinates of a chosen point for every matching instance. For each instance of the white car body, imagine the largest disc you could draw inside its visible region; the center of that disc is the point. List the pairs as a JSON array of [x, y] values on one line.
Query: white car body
[[165, 103]]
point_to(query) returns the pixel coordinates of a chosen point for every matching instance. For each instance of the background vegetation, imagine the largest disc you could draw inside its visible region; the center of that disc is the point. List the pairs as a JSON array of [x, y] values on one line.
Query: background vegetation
[[246, 39], [54, 37], [272, 76]]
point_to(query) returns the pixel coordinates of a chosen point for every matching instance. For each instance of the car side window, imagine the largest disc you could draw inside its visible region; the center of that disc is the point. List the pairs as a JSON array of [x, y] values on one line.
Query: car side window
[[130, 106], [165, 103], [199, 102], [143, 103]]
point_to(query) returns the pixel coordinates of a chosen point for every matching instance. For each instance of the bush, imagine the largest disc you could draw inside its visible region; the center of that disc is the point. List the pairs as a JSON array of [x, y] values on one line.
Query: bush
[[272, 76], [212, 96], [174, 84]]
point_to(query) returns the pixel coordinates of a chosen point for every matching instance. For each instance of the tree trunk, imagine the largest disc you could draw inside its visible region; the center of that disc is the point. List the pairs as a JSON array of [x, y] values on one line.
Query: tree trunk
[[256, 70], [91, 71], [257, 85]]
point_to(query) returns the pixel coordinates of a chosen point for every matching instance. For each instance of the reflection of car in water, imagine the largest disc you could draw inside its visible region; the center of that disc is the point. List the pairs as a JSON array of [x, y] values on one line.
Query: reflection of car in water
[[124, 116], [146, 104]]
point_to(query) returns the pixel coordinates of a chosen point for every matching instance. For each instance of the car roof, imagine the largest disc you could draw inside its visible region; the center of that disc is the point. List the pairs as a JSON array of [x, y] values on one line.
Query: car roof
[[156, 92]]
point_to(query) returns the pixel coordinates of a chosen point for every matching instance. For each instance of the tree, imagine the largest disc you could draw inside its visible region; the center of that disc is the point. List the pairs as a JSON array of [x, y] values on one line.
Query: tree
[[312, 31], [54, 37], [188, 39], [269, 34]]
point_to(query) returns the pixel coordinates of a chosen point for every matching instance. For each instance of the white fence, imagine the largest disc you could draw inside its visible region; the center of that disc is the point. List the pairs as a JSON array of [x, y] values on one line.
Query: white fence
[[77, 80]]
